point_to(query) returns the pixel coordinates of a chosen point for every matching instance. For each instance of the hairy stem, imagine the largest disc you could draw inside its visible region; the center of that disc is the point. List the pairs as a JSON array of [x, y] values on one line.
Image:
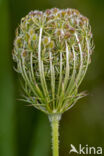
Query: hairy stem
[[54, 119]]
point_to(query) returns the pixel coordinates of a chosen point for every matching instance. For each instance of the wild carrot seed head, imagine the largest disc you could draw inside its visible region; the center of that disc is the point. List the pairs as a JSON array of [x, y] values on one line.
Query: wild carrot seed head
[[52, 51]]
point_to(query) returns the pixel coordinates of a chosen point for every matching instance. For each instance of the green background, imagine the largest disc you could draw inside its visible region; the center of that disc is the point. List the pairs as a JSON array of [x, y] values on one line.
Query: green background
[[25, 131]]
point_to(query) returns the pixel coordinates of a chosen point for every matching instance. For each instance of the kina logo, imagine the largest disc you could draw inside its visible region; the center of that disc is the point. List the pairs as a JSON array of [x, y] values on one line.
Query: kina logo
[[86, 150]]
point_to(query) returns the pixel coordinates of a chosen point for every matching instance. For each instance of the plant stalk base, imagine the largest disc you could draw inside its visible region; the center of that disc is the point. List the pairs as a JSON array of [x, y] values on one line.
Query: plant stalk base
[[54, 119]]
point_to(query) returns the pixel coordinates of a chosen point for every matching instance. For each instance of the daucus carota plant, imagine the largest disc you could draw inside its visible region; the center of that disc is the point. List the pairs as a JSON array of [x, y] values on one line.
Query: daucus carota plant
[[52, 52]]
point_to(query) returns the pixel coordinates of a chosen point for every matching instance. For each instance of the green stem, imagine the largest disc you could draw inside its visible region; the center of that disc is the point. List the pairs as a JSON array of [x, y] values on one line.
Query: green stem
[[54, 119]]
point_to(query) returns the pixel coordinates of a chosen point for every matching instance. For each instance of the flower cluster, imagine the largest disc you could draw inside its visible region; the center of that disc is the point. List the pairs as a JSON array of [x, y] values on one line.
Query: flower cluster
[[52, 52]]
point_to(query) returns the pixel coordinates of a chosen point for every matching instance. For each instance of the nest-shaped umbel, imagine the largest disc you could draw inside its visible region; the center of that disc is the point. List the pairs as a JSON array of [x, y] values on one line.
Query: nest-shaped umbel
[[52, 52]]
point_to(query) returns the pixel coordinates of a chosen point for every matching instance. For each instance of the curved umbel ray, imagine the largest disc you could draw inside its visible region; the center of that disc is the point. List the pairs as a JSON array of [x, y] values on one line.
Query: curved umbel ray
[[88, 58], [66, 79], [81, 59], [29, 82], [67, 67], [52, 80], [31, 65], [33, 77], [60, 79], [29, 79], [73, 102], [72, 79], [77, 79], [41, 69], [26, 83], [25, 76], [82, 76]]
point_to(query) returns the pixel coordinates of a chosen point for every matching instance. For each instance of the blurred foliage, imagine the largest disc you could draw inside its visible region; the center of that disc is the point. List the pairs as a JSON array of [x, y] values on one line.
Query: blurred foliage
[[25, 131]]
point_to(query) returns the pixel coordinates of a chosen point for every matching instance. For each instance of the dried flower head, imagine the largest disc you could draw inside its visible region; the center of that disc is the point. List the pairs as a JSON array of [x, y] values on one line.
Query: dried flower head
[[52, 52]]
